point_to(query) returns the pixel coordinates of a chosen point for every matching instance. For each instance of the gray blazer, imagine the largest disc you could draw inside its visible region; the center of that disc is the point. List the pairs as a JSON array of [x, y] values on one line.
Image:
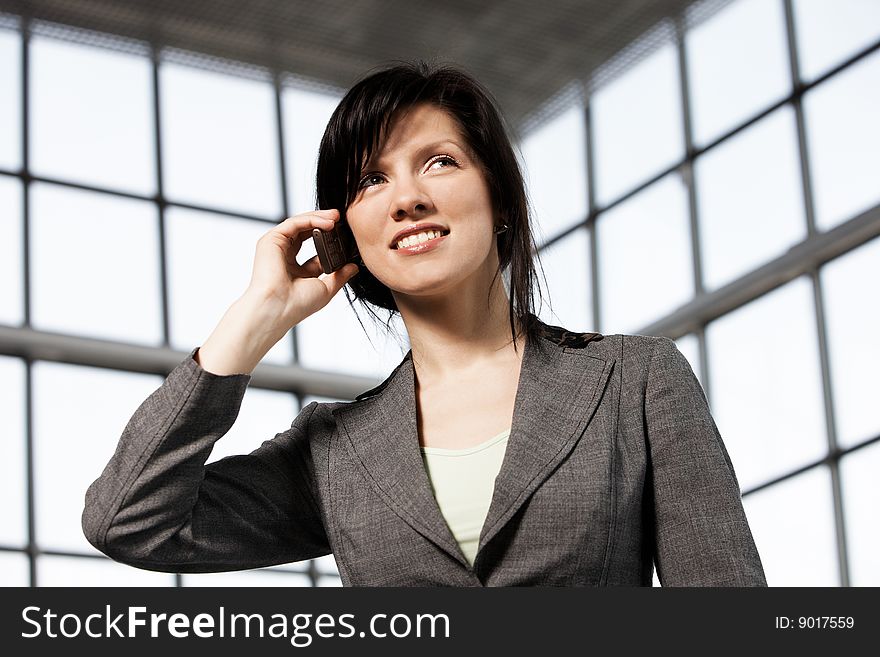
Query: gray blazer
[[613, 464]]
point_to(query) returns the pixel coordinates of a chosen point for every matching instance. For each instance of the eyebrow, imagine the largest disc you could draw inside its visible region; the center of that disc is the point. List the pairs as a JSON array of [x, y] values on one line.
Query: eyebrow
[[375, 163]]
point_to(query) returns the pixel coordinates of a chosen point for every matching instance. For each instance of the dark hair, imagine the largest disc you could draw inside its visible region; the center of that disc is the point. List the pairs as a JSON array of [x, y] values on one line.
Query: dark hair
[[361, 120]]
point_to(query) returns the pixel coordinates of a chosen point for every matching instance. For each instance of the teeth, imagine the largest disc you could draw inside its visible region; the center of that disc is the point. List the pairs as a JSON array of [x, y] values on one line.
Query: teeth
[[418, 238]]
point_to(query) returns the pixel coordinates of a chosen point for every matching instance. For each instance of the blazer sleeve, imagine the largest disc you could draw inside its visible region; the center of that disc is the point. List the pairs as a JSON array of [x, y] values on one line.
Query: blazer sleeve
[[157, 505], [702, 537]]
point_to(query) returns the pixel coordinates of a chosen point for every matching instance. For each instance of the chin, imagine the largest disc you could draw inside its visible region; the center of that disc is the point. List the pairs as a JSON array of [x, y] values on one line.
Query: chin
[[424, 285], [425, 289]]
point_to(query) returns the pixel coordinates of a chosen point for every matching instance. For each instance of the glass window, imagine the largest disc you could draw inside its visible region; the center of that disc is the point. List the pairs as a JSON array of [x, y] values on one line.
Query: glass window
[[645, 261], [10, 99], [219, 141], [83, 571], [750, 199], [861, 498], [326, 565], [333, 340], [793, 526], [330, 580], [737, 64], [263, 414], [566, 265], [91, 112], [248, 578], [844, 137], [13, 465], [556, 171], [305, 114], [11, 248], [210, 262], [637, 125], [853, 326], [79, 416], [95, 265], [14, 569], [829, 32], [765, 381], [308, 399]]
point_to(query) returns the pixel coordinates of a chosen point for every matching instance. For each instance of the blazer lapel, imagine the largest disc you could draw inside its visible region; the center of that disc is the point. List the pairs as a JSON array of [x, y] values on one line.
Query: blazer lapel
[[381, 435], [558, 391]]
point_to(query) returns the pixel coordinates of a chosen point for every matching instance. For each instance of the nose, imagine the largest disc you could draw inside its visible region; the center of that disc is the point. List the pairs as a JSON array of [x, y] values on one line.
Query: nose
[[410, 200]]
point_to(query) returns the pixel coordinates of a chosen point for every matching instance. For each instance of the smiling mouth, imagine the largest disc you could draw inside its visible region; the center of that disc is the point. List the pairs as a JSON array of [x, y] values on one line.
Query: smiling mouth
[[419, 238]]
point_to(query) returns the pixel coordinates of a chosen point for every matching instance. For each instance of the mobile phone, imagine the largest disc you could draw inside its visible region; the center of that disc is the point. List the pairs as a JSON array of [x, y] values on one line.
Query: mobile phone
[[335, 247]]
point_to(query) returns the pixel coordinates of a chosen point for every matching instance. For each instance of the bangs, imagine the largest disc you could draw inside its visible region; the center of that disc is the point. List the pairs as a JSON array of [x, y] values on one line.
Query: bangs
[[362, 120]]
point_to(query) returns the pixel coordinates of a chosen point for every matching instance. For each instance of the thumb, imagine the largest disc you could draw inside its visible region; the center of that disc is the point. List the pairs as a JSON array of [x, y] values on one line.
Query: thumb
[[340, 277]]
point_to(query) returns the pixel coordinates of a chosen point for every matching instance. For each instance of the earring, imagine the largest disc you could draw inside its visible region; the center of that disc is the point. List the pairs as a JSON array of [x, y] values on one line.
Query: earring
[[501, 229]]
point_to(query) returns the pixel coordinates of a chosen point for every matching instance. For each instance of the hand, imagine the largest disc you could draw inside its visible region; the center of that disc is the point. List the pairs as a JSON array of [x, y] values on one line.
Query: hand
[[296, 290]]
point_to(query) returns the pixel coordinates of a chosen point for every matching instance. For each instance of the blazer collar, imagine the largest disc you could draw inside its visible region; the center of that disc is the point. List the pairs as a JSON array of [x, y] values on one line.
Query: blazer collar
[[560, 385]]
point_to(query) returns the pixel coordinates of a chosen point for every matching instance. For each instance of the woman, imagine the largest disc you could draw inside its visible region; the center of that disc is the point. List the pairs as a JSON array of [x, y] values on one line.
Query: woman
[[501, 451]]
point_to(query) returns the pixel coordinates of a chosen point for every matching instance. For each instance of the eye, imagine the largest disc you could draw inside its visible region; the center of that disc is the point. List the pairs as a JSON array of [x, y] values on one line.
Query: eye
[[366, 180], [443, 158]]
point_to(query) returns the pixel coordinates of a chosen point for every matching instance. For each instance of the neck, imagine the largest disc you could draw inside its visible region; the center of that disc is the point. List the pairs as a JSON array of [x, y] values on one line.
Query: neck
[[455, 334]]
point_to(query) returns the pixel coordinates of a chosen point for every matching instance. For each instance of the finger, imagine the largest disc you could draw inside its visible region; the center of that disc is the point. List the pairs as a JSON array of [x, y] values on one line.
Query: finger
[[311, 268], [303, 223], [292, 245], [297, 241], [340, 277]]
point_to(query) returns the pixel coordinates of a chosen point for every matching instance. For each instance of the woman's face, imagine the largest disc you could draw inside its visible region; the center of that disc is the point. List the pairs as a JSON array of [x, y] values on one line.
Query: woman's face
[[425, 177]]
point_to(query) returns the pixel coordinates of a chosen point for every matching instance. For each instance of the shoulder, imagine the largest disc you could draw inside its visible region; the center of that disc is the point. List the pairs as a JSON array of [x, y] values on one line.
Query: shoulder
[[636, 357], [316, 420], [644, 356], [319, 413], [616, 345], [563, 337]]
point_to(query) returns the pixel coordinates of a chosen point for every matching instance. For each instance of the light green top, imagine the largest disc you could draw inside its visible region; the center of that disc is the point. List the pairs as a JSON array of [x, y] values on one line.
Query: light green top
[[463, 481]]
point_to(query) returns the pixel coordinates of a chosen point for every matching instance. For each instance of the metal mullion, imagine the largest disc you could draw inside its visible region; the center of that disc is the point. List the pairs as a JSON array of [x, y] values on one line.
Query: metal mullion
[[826, 460], [236, 214], [160, 200], [282, 172], [221, 211], [838, 68], [162, 204], [32, 549], [25, 163], [126, 356], [590, 222], [86, 187], [312, 572], [689, 171], [282, 164], [830, 427], [75, 554], [818, 297], [285, 210], [799, 260], [797, 103]]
